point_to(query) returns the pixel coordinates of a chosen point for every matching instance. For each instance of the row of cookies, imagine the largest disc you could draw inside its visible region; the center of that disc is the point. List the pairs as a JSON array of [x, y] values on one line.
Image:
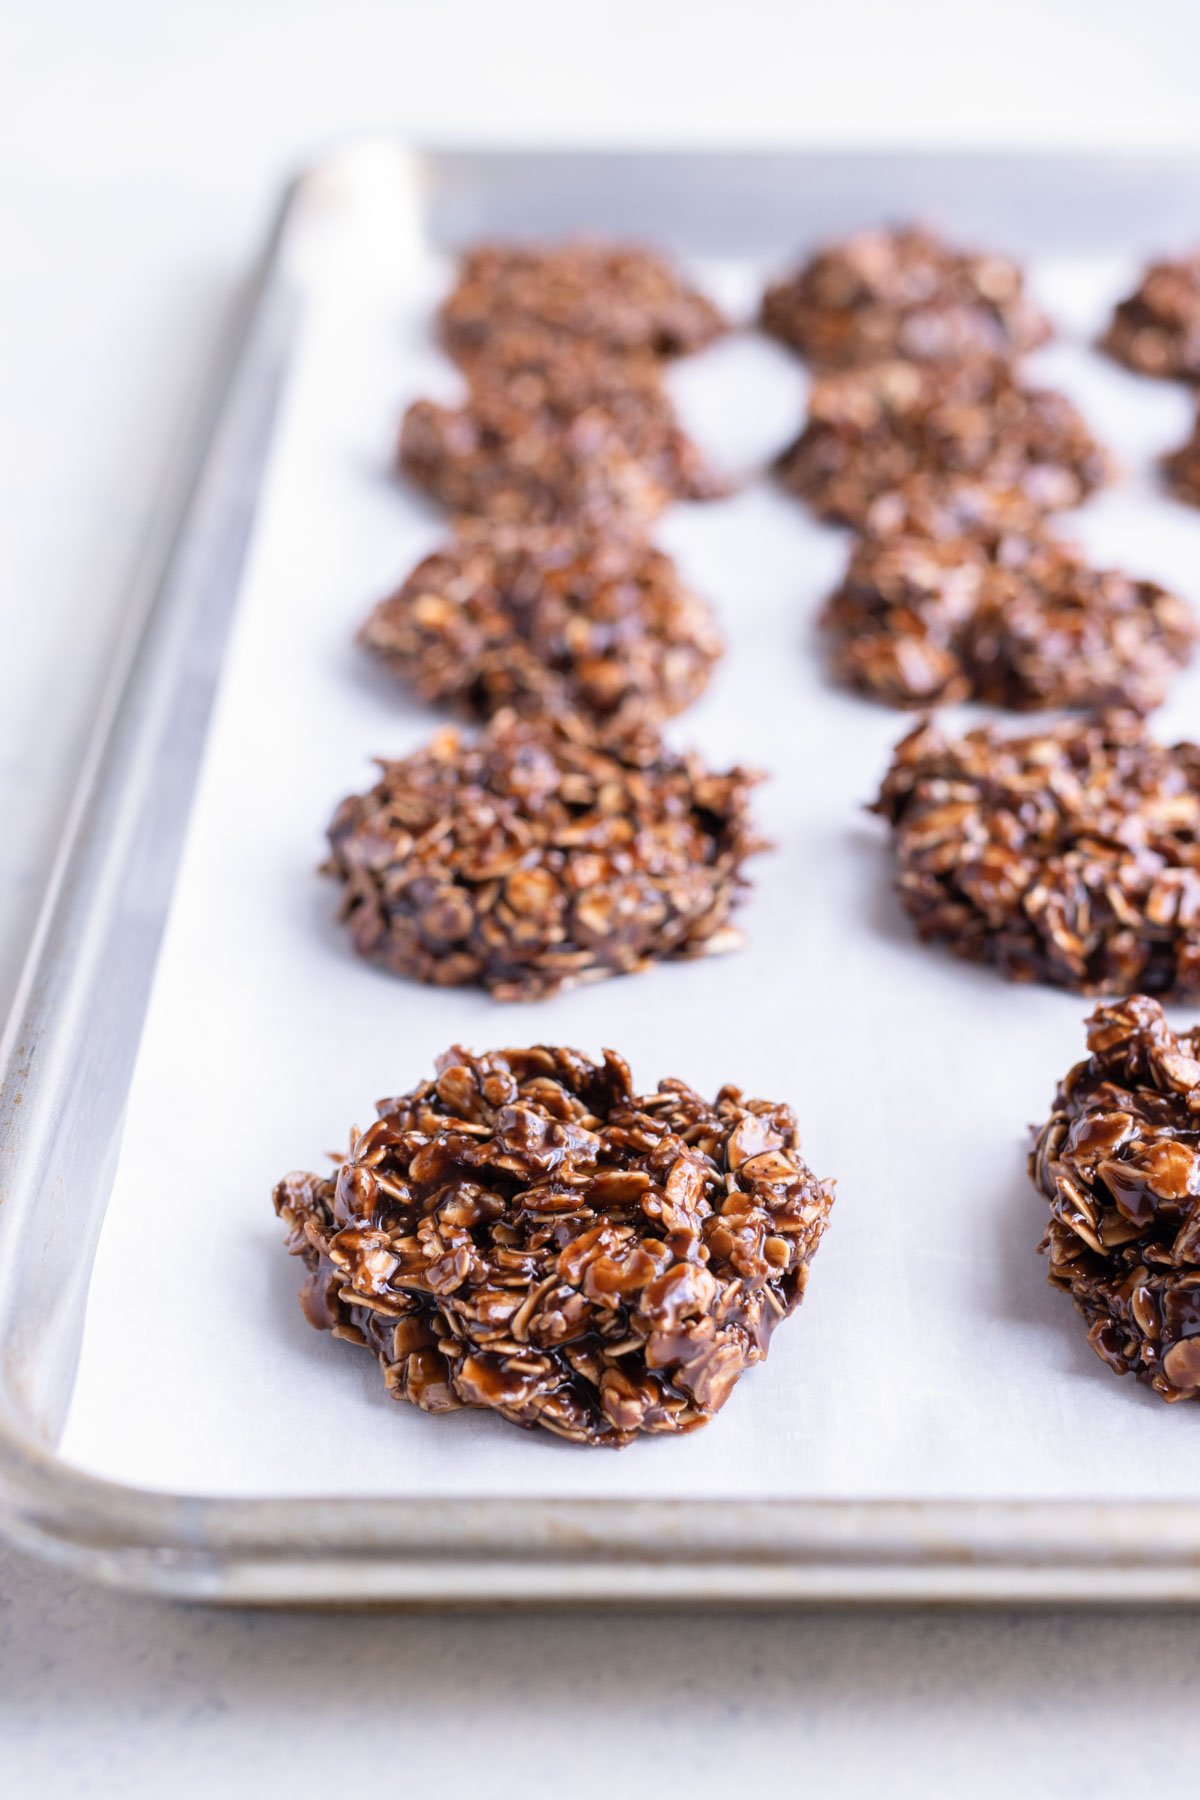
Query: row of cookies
[[566, 841], [525, 1233], [925, 437], [1068, 855]]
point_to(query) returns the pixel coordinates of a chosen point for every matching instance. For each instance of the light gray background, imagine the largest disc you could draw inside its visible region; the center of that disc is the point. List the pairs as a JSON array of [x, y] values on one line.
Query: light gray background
[[142, 143]]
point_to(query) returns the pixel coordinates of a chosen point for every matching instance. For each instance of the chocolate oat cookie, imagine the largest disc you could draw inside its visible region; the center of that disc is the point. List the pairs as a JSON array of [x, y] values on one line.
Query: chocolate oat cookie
[[871, 430], [1012, 620], [496, 460], [527, 859], [1157, 329], [551, 383], [1182, 468], [906, 294], [1070, 856], [526, 1234], [558, 382], [548, 619], [1119, 1162], [621, 296]]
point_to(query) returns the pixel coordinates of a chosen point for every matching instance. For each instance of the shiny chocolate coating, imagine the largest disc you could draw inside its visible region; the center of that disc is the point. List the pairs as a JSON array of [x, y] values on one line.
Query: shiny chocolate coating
[[526, 1234]]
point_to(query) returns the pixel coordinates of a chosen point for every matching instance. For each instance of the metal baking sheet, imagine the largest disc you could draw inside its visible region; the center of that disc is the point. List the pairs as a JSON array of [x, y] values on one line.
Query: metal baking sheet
[[931, 1422]]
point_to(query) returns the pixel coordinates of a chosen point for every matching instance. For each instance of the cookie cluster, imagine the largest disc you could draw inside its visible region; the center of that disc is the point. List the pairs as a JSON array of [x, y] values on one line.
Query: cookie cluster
[[527, 1234]]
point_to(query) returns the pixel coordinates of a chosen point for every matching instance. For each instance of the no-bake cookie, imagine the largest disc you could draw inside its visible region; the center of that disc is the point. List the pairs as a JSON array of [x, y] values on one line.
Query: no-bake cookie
[[527, 1235], [1070, 855], [493, 459], [548, 619], [1017, 621], [905, 294], [1119, 1162], [871, 430], [555, 381], [621, 296], [1157, 329], [526, 860]]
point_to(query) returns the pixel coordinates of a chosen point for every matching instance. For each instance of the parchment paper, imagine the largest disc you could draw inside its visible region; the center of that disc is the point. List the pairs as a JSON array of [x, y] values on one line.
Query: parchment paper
[[930, 1358]]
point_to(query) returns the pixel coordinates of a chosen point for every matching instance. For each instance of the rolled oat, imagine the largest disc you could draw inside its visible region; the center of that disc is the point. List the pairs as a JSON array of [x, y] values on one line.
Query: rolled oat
[[621, 296]]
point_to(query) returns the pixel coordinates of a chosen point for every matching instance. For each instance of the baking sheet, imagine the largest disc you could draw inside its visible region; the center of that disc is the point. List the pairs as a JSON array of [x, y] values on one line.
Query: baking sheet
[[930, 1359]]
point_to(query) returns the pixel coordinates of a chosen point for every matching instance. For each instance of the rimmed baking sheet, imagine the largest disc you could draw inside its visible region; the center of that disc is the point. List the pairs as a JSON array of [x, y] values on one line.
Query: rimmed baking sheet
[[930, 1360]]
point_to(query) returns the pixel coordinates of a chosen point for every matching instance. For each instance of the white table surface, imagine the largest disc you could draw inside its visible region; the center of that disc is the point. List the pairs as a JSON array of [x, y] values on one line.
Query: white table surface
[[141, 146]]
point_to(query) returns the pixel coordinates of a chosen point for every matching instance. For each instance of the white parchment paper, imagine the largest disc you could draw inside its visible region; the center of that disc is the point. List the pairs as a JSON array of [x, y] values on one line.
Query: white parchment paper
[[930, 1358]]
